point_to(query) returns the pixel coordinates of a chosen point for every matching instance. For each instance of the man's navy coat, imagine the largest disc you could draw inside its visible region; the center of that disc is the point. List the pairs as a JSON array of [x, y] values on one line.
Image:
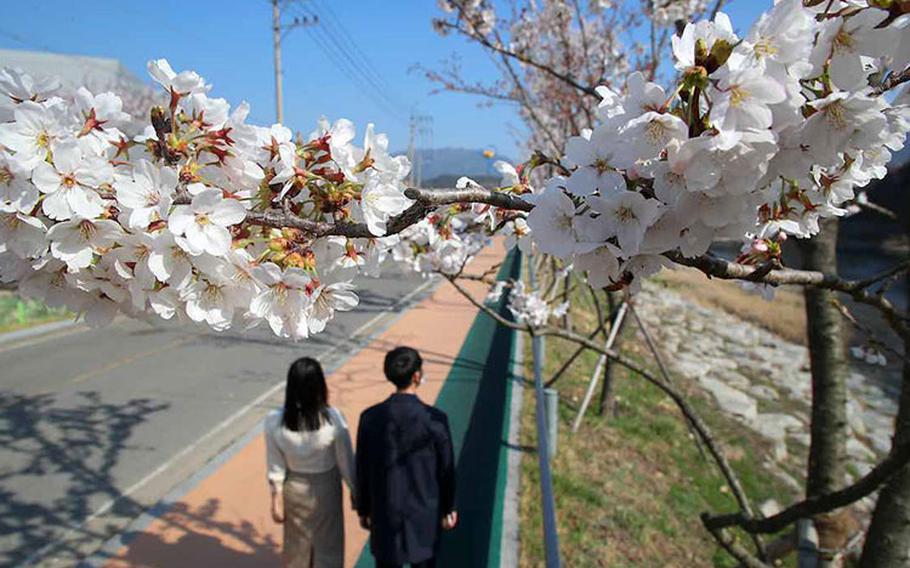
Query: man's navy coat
[[405, 477]]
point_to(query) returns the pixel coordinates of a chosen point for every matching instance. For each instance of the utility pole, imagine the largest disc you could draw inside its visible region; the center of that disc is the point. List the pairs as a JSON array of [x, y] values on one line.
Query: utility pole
[[276, 42], [278, 33], [412, 130], [420, 129]]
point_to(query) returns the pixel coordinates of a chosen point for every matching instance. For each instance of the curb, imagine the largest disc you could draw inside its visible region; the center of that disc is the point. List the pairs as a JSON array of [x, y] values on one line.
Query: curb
[[36, 331], [511, 514], [134, 528]]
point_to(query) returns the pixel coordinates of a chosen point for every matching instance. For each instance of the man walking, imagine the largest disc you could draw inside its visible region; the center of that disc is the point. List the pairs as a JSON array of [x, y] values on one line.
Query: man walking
[[405, 470]]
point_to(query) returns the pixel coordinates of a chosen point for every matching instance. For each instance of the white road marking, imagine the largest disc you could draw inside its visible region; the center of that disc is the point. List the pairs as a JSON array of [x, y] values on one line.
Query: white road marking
[[43, 551]]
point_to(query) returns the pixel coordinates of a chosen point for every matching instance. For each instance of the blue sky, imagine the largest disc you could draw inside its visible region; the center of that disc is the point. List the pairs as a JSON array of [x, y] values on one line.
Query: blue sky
[[230, 44]]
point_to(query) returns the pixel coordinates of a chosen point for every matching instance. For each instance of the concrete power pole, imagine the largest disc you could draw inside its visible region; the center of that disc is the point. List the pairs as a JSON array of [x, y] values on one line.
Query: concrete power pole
[[276, 43], [278, 32], [420, 129], [412, 131]]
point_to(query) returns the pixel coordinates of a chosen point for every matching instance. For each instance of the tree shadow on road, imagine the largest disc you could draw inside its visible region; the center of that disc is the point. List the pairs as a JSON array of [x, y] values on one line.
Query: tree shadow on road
[[189, 537], [59, 457]]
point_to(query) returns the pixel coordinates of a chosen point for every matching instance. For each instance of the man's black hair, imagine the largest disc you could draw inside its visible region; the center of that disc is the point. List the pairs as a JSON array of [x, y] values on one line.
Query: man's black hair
[[400, 365]]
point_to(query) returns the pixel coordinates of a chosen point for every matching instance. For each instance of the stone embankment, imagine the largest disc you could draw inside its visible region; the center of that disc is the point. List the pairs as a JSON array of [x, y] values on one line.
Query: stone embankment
[[763, 381]]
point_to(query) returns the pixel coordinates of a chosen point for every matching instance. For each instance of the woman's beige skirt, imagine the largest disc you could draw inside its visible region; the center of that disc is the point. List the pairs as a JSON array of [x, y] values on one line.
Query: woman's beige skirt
[[313, 520]]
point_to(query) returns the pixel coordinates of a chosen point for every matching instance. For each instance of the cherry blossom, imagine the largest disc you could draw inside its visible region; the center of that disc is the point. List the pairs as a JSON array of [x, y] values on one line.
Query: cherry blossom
[[205, 221]]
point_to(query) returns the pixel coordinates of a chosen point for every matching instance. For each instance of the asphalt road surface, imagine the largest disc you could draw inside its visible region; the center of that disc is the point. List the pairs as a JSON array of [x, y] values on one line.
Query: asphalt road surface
[[98, 425]]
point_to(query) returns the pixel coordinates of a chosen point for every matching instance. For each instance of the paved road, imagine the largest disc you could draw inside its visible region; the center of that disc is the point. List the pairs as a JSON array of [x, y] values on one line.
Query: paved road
[[97, 425]]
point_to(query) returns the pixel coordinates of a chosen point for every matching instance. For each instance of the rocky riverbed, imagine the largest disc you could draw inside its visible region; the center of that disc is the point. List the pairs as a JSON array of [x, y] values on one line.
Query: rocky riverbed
[[763, 380]]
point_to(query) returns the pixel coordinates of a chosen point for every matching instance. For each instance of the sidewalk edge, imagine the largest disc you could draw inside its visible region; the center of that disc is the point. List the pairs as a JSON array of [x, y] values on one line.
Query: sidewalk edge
[[511, 515], [101, 556]]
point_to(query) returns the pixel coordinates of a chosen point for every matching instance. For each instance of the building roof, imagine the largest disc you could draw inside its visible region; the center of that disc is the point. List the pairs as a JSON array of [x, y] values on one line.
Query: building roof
[[72, 70]]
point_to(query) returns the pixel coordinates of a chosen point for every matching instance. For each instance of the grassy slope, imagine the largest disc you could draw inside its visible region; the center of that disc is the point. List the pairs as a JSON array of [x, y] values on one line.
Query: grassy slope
[[16, 313], [630, 488]]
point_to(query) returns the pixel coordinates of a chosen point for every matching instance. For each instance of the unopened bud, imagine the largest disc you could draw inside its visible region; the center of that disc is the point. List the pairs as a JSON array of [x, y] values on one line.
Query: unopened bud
[[883, 4], [720, 52], [701, 51], [292, 234], [278, 245], [160, 121]]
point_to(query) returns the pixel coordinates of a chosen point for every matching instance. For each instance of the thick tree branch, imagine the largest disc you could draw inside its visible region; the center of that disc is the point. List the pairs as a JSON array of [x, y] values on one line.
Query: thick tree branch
[[868, 484]]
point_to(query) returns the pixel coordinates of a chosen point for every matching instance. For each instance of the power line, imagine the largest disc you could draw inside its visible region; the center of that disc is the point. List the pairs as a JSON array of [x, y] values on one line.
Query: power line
[[353, 63], [342, 60], [327, 9], [362, 63]]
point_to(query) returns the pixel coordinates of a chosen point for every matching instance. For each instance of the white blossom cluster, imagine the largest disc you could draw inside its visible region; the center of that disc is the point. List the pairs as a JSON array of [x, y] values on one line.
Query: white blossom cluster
[[180, 221], [762, 137], [869, 354], [527, 306]]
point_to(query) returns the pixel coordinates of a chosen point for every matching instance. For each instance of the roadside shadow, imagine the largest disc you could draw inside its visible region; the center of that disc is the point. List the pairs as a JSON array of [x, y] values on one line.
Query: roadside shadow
[[191, 537], [59, 457]]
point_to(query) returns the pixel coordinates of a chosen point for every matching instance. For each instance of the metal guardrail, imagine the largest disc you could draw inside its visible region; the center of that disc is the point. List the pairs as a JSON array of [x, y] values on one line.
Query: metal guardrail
[[551, 537]]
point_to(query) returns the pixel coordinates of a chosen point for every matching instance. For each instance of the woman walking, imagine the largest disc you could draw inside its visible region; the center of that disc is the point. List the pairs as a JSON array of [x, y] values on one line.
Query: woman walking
[[308, 451]]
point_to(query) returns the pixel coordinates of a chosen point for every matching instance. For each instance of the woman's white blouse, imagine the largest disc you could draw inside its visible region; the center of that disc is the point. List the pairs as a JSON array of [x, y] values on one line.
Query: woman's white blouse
[[305, 451]]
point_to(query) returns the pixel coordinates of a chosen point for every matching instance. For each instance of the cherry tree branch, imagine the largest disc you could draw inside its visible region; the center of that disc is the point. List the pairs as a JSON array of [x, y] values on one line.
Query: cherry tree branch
[[816, 505], [690, 414], [893, 80], [521, 58]]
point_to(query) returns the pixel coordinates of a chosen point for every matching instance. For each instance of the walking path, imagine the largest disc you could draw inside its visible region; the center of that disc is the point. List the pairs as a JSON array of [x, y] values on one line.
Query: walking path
[[223, 520]]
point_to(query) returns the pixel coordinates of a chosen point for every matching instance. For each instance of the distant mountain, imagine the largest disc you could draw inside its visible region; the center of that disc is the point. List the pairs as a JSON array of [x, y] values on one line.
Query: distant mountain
[[456, 162]]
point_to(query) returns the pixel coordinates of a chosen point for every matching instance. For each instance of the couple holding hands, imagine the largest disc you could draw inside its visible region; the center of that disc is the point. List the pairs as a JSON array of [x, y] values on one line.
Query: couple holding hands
[[402, 480]]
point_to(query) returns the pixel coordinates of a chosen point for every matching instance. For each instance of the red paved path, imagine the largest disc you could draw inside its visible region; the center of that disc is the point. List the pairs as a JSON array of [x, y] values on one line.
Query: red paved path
[[224, 521]]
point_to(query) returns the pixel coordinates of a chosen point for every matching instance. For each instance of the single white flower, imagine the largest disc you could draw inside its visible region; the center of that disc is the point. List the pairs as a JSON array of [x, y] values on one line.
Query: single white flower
[[327, 299], [842, 121], [742, 99], [18, 86], [646, 136], [495, 293], [782, 35], [23, 235], [169, 261], [601, 265], [147, 192], [76, 241], [17, 193], [31, 132], [100, 112], [597, 159], [209, 301], [69, 183], [707, 32], [627, 215], [844, 41], [508, 172], [284, 300], [206, 220], [552, 221], [518, 233], [380, 202], [178, 84]]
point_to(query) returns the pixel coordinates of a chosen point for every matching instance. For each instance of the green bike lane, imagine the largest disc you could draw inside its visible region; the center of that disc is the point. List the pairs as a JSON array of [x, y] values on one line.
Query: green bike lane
[[477, 396]]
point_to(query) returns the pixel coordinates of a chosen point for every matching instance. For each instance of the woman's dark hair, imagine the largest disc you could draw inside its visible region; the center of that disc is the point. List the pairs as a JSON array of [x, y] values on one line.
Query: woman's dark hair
[[400, 365], [306, 397]]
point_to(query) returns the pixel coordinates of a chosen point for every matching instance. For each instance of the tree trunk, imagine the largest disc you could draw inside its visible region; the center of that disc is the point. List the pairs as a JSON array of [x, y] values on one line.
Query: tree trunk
[[607, 397], [888, 538], [828, 360]]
